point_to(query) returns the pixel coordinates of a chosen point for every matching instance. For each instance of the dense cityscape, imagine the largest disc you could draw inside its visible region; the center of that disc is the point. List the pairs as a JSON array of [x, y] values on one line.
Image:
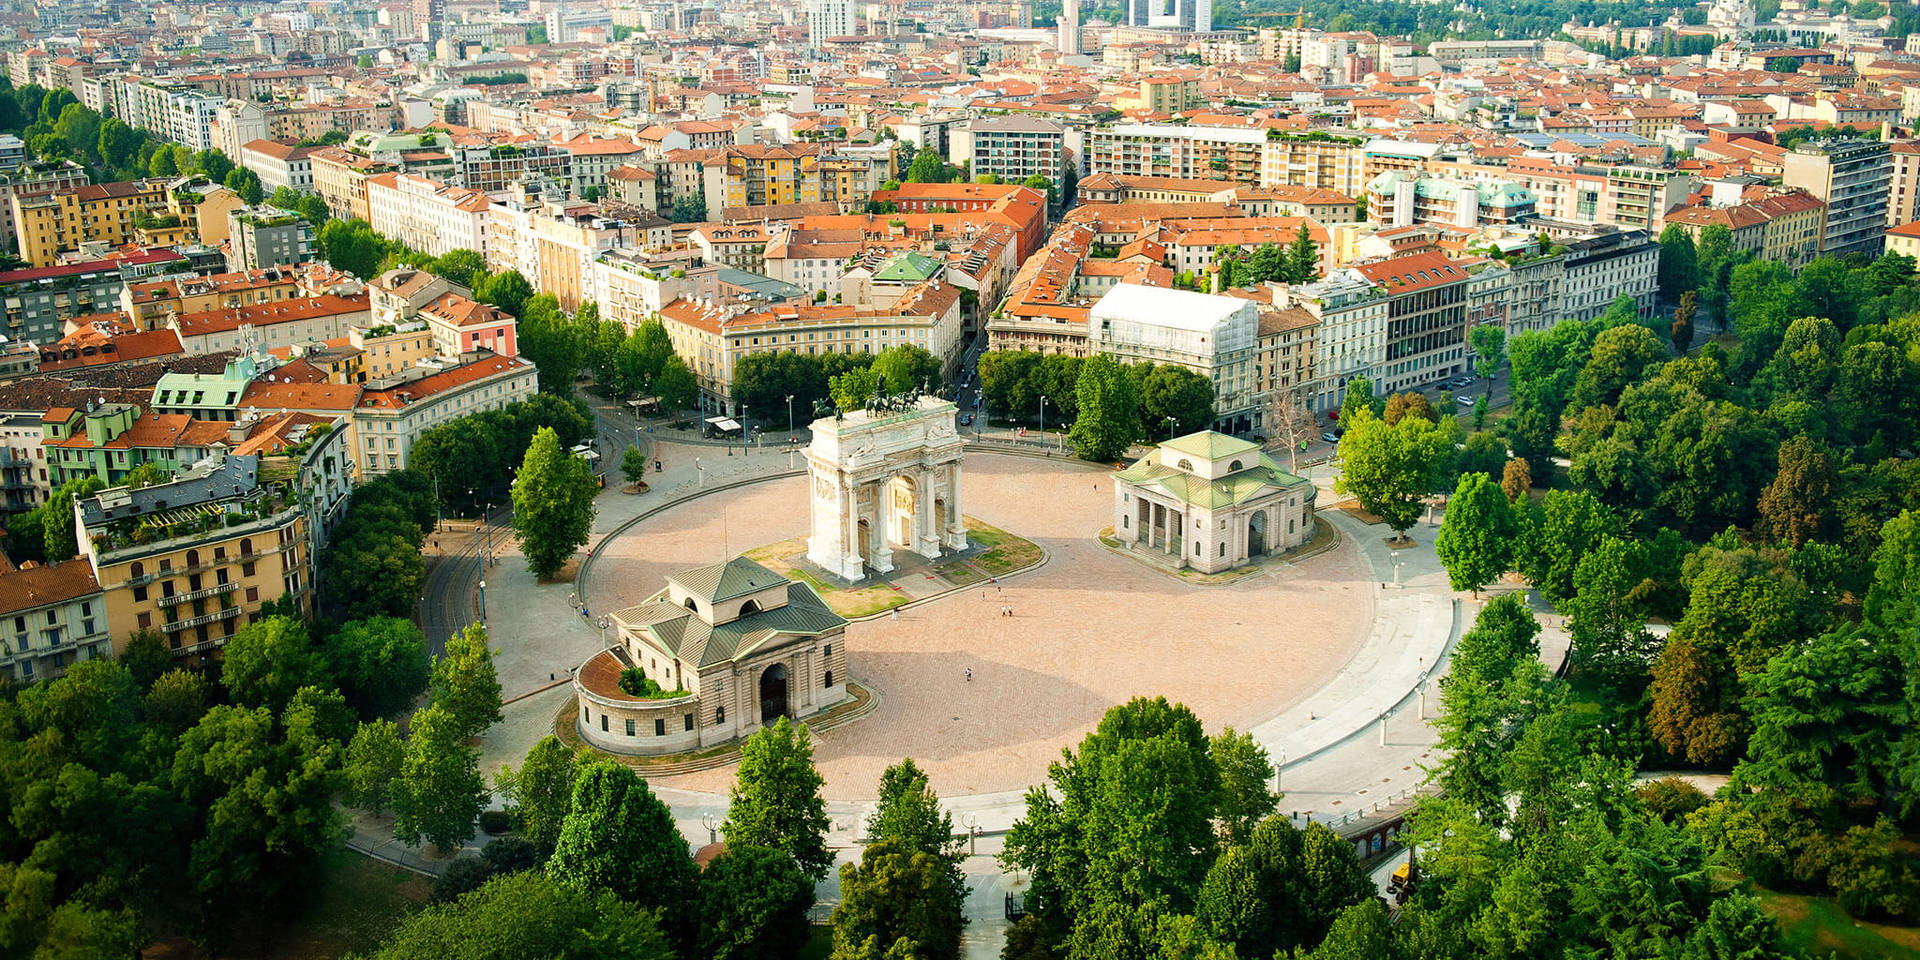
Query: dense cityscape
[[920, 480]]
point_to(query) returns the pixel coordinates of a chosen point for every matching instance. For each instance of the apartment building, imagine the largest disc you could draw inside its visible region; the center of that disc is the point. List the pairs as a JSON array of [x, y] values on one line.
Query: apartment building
[[51, 617], [427, 215], [59, 222], [279, 163], [1314, 159], [149, 303], [264, 236], [1351, 315], [1426, 319], [1013, 148], [394, 411], [1215, 337], [1854, 177], [1601, 267], [340, 177], [1194, 153], [711, 338], [35, 180], [197, 557], [39, 301], [275, 324], [1785, 225]]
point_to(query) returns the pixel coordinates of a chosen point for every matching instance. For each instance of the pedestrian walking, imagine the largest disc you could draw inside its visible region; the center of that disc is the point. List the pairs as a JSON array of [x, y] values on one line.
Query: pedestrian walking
[[969, 674], [896, 614]]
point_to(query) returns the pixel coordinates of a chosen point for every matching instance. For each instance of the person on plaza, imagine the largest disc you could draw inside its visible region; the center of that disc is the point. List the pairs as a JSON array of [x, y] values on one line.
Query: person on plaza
[[969, 674]]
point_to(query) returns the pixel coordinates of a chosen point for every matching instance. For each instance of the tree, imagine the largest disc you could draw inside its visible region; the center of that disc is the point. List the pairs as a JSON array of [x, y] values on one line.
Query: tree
[[1682, 329], [353, 247], [1516, 479], [1620, 355], [633, 464], [1679, 262], [1476, 537], [927, 167], [1798, 505], [1490, 690], [1303, 258], [267, 662], [439, 792], [526, 914], [1408, 404], [1607, 617], [753, 905], [691, 208], [539, 794], [619, 837], [775, 800], [1360, 932], [381, 663], [676, 386], [375, 761], [508, 290], [896, 903], [162, 164], [80, 127], [214, 163], [1245, 775], [464, 682], [1109, 420], [246, 183], [1358, 400], [464, 267], [1390, 469], [1171, 391], [552, 504], [1489, 352], [177, 700]]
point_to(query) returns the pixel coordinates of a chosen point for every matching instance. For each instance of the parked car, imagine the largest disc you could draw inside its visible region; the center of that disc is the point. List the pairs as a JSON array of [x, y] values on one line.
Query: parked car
[[1330, 437], [1466, 401]]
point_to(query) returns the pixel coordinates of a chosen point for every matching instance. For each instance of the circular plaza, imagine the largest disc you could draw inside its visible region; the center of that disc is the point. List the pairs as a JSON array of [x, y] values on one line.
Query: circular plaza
[[1089, 628]]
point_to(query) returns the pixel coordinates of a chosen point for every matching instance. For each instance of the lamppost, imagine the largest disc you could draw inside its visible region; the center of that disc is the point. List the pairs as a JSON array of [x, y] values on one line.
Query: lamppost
[[1173, 423], [1396, 567], [483, 602], [745, 444], [702, 471], [1043, 420], [790, 436], [603, 630]]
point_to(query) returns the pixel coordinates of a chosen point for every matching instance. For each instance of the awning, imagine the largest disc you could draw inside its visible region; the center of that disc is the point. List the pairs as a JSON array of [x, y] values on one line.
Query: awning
[[725, 424]]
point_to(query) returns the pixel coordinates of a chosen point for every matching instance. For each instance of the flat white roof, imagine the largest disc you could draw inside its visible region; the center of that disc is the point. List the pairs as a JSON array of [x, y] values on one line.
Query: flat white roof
[[1227, 134], [1163, 307]]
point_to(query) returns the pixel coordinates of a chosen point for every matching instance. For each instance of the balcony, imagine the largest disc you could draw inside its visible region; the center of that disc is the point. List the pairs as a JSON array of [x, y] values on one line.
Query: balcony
[[213, 591], [215, 617]]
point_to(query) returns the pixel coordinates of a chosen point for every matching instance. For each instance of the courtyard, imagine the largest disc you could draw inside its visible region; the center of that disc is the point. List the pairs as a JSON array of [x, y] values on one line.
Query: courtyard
[[1089, 629]]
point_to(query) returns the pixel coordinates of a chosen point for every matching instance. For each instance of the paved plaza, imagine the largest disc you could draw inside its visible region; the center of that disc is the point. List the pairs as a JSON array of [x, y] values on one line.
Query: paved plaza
[[1089, 629]]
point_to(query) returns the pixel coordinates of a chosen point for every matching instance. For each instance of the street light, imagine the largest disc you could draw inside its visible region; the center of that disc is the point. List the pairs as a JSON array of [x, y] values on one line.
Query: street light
[[702, 471], [483, 602], [1396, 567], [1173, 423], [1043, 420], [790, 436]]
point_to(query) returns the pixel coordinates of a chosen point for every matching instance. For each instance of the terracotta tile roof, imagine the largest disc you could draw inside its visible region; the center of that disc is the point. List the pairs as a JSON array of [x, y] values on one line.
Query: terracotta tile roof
[[1415, 272], [456, 310], [265, 314], [425, 387], [36, 586], [90, 346], [300, 396]]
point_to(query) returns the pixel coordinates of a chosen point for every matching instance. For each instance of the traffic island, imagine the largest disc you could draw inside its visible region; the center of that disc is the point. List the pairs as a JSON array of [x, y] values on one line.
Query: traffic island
[[992, 553]]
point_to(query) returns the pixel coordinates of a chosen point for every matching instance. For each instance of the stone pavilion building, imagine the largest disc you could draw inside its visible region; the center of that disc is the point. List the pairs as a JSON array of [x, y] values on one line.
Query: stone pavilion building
[[732, 646], [1210, 502]]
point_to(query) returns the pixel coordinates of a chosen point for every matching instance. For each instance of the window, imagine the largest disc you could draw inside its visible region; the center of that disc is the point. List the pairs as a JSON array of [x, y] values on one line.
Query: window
[[689, 721], [719, 714], [146, 620], [829, 683], [660, 727], [603, 723], [246, 569], [629, 728], [253, 594]]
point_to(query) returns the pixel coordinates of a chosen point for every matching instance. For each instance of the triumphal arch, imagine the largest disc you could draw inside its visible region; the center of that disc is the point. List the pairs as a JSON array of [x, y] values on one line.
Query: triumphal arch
[[885, 477]]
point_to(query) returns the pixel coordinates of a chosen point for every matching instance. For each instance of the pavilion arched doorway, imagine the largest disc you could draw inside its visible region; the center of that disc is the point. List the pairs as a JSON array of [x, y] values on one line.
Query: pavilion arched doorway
[[773, 694]]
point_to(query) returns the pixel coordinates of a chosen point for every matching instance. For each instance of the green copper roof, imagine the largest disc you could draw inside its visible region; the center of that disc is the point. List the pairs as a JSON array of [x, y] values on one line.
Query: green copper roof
[[907, 268], [720, 582], [1210, 445], [676, 630], [1264, 476]]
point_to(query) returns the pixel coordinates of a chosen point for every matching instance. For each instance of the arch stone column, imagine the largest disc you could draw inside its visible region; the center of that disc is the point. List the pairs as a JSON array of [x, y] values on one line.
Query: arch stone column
[[864, 451]]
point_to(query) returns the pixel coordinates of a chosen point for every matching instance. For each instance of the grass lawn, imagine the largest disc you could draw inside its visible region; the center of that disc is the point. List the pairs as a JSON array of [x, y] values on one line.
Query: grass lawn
[[857, 602], [1818, 927], [1004, 552], [358, 901]]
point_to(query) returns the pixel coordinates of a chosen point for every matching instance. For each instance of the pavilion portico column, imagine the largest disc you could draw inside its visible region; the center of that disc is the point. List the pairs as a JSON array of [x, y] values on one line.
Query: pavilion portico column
[[881, 554], [955, 520], [926, 526]]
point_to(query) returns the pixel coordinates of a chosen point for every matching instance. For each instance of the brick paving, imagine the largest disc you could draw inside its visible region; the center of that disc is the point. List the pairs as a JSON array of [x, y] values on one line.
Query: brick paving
[[1090, 629]]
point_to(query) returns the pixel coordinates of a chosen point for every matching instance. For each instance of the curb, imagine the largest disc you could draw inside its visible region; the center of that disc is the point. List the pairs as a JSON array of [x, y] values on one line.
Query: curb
[[586, 565], [352, 843]]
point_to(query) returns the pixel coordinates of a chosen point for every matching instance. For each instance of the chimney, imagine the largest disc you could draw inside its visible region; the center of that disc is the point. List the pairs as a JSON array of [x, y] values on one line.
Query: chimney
[[1213, 279]]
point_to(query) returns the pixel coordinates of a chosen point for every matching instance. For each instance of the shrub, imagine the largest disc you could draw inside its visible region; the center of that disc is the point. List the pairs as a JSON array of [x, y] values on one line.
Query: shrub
[[462, 876], [1671, 799], [495, 822]]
